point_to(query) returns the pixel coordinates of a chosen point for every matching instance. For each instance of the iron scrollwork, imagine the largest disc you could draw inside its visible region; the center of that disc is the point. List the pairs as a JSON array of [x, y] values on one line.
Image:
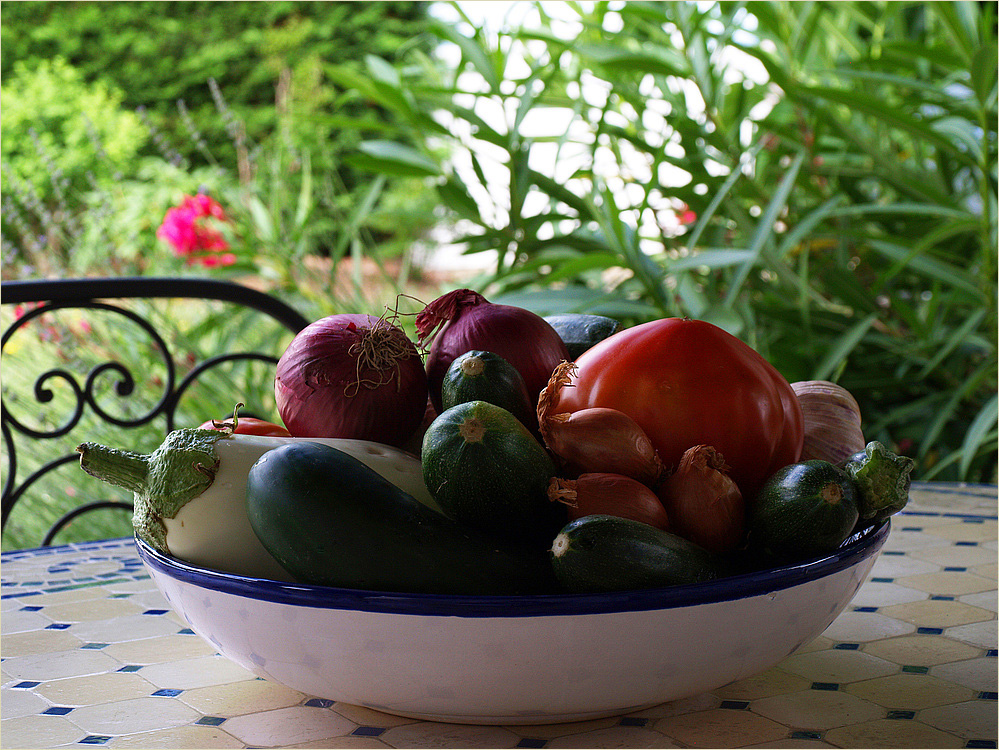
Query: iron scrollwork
[[112, 374]]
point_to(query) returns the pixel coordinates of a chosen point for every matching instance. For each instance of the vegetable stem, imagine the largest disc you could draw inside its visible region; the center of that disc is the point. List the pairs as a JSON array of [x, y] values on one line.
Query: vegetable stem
[[118, 467]]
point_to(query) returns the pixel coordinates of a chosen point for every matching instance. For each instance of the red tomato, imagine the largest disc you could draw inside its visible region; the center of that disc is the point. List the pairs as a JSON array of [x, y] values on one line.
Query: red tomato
[[250, 426], [688, 382]]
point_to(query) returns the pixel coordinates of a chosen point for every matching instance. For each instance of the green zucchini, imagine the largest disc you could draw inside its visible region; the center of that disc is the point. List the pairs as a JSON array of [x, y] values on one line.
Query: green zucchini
[[331, 520], [484, 376], [883, 480], [580, 332], [607, 553], [804, 509], [484, 468]]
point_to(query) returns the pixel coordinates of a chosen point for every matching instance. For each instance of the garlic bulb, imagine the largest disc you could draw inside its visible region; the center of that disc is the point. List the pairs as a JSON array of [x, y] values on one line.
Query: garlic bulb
[[832, 421]]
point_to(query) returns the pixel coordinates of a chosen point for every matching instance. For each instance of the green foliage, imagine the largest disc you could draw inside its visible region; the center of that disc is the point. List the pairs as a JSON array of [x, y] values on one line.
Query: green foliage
[[60, 136], [840, 159], [159, 53]]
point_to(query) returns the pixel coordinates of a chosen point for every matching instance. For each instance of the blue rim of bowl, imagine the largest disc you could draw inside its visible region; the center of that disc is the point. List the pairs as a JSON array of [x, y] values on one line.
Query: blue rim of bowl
[[858, 548]]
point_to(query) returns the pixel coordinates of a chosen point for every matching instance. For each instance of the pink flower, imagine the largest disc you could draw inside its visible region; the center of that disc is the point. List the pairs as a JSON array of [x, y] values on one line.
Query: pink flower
[[189, 229], [685, 216]]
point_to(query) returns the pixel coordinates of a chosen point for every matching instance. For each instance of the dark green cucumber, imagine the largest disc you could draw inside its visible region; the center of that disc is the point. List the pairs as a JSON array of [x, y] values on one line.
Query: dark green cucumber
[[331, 520], [804, 509], [580, 331], [883, 480], [606, 553], [484, 376], [485, 468]]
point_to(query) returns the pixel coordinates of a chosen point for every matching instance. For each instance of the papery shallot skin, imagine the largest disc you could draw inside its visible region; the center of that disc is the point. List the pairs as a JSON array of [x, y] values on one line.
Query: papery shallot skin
[[609, 494], [704, 504], [352, 376]]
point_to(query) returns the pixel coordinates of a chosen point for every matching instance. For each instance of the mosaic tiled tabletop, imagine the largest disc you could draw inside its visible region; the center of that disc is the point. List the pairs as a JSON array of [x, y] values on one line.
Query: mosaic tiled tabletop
[[93, 656]]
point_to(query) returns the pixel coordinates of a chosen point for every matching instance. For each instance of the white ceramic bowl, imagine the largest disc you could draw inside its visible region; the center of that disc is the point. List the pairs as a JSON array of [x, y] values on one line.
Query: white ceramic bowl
[[515, 659]]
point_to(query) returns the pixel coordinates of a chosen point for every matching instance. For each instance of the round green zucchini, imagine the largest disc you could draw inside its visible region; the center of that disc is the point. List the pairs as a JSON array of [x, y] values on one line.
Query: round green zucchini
[[484, 468], [331, 520], [607, 553], [484, 376], [804, 509]]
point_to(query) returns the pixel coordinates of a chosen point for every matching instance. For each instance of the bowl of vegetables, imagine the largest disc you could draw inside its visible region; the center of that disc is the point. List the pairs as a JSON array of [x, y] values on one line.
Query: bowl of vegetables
[[529, 521]]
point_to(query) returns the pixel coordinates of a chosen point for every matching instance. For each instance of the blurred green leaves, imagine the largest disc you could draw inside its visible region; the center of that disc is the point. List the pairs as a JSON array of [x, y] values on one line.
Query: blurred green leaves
[[840, 159]]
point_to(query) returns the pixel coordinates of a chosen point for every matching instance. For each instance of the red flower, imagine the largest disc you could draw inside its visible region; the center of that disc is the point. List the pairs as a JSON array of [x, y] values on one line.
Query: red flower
[[685, 216], [190, 229]]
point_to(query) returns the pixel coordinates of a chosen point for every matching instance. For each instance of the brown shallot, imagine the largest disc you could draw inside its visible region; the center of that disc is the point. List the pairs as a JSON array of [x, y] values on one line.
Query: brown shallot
[[608, 494], [704, 504], [595, 440]]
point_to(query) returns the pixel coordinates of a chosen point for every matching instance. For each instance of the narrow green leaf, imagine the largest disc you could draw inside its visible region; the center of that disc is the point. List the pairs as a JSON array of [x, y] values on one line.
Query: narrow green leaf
[[456, 197], [471, 51], [711, 258], [305, 199], [841, 348], [875, 107], [984, 74], [932, 268], [261, 219], [765, 225], [390, 157], [982, 426], [955, 339]]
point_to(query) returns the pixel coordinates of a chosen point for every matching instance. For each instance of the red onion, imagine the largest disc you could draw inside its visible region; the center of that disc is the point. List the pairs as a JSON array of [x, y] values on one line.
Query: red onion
[[463, 320], [351, 376]]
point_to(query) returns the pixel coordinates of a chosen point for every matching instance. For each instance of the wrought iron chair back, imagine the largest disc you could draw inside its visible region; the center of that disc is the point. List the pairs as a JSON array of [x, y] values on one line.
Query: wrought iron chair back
[[38, 298]]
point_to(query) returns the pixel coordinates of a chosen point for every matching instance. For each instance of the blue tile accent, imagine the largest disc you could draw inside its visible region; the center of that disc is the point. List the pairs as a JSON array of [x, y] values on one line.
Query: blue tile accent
[[95, 739], [319, 702], [735, 705], [130, 668], [58, 626], [368, 731], [882, 579], [987, 696], [26, 684], [633, 721], [901, 715], [929, 631], [531, 742], [846, 646], [31, 608], [912, 669], [865, 609], [57, 710], [893, 552], [955, 568], [156, 611], [168, 692], [94, 646], [210, 721], [992, 652], [966, 544], [825, 686], [185, 631], [981, 743], [802, 735]]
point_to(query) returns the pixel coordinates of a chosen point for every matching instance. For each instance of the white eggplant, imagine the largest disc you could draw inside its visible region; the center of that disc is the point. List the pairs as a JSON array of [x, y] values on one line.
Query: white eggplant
[[190, 493]]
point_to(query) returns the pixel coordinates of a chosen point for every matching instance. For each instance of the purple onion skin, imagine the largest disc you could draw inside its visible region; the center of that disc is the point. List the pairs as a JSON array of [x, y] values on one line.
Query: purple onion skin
[[317, 391], [519, 336]]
